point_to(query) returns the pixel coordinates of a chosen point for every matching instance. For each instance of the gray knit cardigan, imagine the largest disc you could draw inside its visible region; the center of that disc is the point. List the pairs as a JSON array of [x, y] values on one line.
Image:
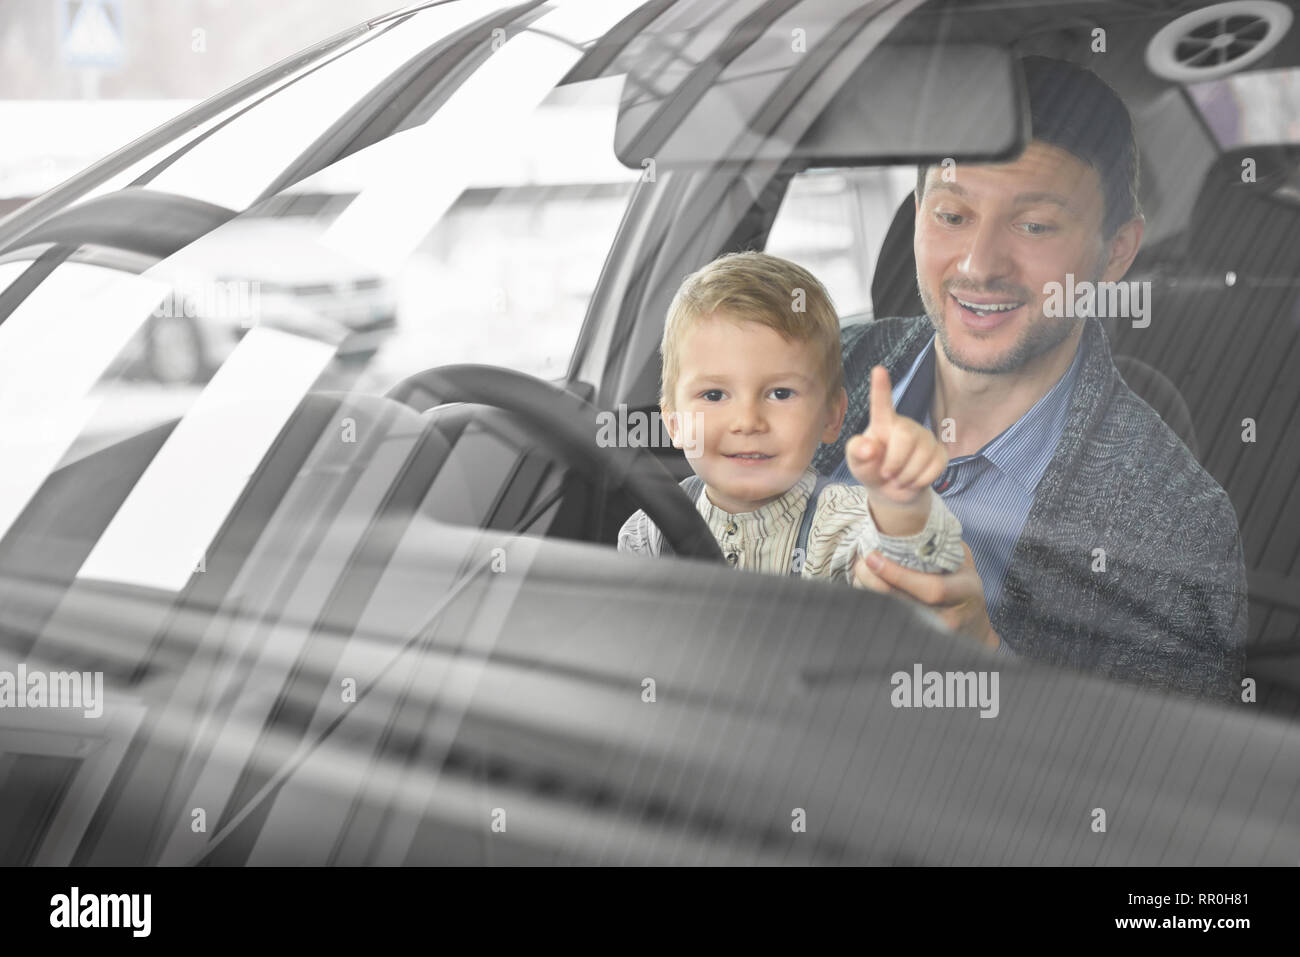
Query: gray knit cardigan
[[1164, 601]]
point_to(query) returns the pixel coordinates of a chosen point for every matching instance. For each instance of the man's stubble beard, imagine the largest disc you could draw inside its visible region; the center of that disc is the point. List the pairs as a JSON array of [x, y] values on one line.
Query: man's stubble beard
[[1040, 336]]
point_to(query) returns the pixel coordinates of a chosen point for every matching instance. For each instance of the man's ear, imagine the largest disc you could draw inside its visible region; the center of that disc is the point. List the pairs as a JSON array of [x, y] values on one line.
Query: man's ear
[[839, 406], [1122, 248]]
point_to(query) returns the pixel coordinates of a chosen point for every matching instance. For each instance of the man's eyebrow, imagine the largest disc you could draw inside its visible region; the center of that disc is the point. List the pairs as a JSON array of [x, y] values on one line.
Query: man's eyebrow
[[1056, 199], [1022, 199], [947, 187]]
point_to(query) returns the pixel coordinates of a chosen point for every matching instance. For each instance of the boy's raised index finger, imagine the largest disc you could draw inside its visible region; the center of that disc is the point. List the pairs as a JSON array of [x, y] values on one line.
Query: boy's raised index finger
[[882, 396]]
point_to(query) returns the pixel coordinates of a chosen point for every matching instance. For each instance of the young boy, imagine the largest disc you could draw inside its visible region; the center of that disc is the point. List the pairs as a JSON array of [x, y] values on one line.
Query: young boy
[[752, 384]]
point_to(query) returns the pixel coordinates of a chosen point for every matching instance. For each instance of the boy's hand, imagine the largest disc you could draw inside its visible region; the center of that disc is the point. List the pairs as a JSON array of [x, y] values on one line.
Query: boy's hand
[[896, 458]]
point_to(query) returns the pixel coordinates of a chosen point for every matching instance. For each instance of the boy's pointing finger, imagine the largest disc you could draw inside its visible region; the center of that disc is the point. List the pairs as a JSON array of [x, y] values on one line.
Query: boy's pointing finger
[[882, 399]]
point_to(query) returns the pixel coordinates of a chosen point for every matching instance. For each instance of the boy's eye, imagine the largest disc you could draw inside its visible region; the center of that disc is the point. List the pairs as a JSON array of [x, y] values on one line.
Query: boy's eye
[[782, 393], [712, 395]]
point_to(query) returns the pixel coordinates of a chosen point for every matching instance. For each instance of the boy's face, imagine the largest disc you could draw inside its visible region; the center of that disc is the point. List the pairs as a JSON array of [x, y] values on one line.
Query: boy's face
[[760, 405]]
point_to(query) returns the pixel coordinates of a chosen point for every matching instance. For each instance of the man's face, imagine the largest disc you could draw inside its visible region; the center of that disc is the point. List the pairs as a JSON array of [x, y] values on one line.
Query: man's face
[[988, 243], [761, 406]]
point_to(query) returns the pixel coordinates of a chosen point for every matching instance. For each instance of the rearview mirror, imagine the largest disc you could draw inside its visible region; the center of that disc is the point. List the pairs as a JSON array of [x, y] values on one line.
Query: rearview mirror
[[901, 104]]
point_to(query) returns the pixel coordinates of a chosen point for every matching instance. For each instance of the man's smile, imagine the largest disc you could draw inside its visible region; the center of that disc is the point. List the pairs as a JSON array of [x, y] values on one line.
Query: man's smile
[[982, 315], [981, 305]]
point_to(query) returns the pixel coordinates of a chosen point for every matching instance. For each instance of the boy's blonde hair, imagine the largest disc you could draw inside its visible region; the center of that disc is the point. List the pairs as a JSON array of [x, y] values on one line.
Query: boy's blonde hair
[[756, 287]]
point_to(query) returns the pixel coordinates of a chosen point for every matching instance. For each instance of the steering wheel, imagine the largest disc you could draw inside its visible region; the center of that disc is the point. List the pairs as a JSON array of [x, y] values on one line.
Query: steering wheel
[[571, 425]]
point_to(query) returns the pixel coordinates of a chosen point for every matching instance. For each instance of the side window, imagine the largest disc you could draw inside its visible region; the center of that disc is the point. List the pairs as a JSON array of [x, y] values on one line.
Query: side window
[[833, 222]]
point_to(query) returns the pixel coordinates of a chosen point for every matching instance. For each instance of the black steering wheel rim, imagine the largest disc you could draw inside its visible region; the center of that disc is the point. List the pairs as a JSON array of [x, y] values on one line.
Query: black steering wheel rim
[[572, 425]]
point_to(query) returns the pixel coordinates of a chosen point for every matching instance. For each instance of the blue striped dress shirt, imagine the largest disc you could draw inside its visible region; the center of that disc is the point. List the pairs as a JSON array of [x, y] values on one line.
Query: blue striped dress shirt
[[992, 490]]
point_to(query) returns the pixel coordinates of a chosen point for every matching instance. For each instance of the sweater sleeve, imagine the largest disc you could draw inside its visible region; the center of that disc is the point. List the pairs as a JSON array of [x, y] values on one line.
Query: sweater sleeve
[[935, 549], [1186, 618], [843, 529], [639, 536], [841, 511]]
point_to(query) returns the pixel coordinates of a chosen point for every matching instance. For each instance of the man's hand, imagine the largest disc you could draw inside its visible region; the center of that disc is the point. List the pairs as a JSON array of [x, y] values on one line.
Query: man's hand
[[957, 598]]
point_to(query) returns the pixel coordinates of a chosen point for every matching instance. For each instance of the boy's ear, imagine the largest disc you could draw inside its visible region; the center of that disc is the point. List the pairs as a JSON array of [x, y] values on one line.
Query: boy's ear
[[838, 408], [673, 424]]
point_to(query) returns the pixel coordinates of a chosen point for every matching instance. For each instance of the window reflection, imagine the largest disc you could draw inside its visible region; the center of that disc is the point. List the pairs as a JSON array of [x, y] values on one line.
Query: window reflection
[[275, 132], [457, 240], [162, 530], [53, 350]]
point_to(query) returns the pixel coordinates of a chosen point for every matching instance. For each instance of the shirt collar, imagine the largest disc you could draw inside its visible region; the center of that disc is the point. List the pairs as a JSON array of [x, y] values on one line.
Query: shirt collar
[[1024, 449], [789, 506]]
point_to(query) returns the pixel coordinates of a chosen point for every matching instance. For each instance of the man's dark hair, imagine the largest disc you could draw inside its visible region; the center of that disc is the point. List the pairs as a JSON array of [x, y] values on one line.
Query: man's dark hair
[[1072, 108]]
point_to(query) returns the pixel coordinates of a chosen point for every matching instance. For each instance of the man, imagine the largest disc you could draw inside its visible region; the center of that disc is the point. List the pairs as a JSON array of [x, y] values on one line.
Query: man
[[1094, 538]]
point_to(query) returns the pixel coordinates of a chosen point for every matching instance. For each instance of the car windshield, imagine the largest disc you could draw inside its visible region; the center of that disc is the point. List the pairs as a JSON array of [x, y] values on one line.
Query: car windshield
[[492, 208], [481, 201]]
